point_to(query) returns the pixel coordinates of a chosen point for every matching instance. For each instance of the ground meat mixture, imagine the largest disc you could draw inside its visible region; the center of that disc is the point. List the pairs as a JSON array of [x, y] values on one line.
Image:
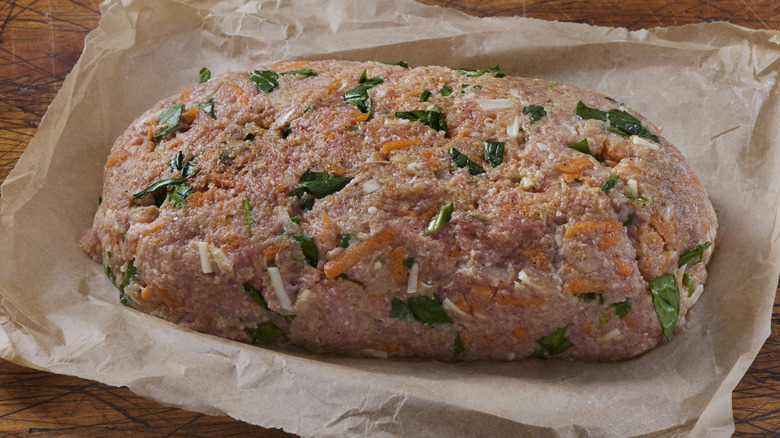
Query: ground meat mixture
[[373, 209]]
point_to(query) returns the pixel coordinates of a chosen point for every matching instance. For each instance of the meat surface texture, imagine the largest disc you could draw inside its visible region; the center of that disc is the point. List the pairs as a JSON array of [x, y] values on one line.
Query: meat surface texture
[[372, 209]]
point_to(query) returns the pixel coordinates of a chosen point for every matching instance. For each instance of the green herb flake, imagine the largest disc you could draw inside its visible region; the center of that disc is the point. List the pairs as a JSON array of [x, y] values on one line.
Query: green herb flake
[[460, 349], [552, 84], [432, 118], [603, 318], [446, 90], [581, 146], [224, 155], [688, 283], [399, 63], [266, 80], [627, 222], [462, 160], [639, 200], [441, 218], [100, 200], [666, 300], [610, 183], [177, 162], [358, 96], [247, 213], [345, 240], [622, 308], [494, 152], [477, 73], [619, 121], [204, 75], [553, 344], [107, 267], [592, 296], [169, 119], [256, 296], [302, 72], [265, 333], [693, 256], [319, 184], [610, 99], [311, 108], [535, 111], [425, 95], [161, 184], [308, 247], [428, 310], [178, 194], [399, 309], [584, 112], [208, 108], [409, 262]]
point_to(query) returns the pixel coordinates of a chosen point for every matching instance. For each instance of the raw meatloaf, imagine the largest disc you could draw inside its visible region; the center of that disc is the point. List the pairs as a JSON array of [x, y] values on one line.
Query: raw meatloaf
[[374, 209]]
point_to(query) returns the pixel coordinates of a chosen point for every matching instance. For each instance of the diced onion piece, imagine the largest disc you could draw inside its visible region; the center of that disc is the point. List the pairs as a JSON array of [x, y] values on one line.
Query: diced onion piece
[[414, 275], [513, 129], [644, 142], [278, 286], [223, 262], [488, 104], [612, 334], [522, 276], [633, 187], [371, 186], [205, 259], [697, 293], [449, 305]]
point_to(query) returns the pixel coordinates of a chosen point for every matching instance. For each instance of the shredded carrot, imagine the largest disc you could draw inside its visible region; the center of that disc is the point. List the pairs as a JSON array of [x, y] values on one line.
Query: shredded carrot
[[396, 262], [284, 65], [190, 115], [608, 240], [270, 251], [538, 258], [581, 286], [587, 327], [184, 96], [352, 255], [463, 133], [116, 157], [360, 117], [662, 228], [150, 132], [455, 252], [166, 297], [327, 232], [462, 305], [466, 336], [575, 166], [484, 292], [152, 229], [518, 333], [601, 227], [147, 295], [398, 144], [429, 214], [624, 267], [392, 347]]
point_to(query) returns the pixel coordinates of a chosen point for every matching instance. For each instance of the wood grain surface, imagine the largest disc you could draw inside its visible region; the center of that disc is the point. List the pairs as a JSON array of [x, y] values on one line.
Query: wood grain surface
[[40, 41]]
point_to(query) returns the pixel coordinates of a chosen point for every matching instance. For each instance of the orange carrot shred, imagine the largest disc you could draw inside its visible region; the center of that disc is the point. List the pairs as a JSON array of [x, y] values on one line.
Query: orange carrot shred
[[398, 144], [601, 227], [352, 255], [576, 165], [518, 333], [396, 262]]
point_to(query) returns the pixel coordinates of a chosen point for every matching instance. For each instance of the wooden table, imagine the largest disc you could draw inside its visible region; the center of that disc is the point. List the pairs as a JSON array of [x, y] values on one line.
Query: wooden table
[[40, 42]]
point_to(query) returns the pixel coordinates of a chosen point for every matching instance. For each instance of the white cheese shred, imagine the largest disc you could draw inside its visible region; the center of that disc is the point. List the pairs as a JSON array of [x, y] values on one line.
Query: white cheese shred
[[488, 104], [644, 142], [278, 286], [414, 275], [612, 334], [513, 129], [371, 186], [697, 293], [449, 305], [633, 187], [205, 258]]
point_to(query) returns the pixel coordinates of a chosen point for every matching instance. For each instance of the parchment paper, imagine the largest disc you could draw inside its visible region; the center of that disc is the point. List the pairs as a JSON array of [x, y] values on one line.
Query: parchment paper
[[713, 88]]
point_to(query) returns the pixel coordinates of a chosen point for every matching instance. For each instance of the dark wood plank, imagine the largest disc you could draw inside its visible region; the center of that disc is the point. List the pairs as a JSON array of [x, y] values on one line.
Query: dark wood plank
[[39, 44]]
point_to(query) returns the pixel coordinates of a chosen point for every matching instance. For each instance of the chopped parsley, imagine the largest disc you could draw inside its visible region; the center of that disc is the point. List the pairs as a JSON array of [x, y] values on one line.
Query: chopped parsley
[[358, 96], [311, 108], [421, 308], [169, 119], [345, 240], [107, 267], [425, 95], [158, 185], [610, 183], [639, 200], [409, 262], [266, 80], [130, 272], [666, 301], [446, 90], [592, 296], [308, 247], [581, 146], [319, 184], [460, 349], [399, 63], [477, 73], [247, 213], [620, 122], [494, 152], [441, 218], [204, 75], [185, 168], [432, 118], [302, 71], [693, 256], [462, 160], [208, 108], [178, 193], [535, 111], [265, 333], [688, 282], [258, 298], [553, 344], [622, 308]]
